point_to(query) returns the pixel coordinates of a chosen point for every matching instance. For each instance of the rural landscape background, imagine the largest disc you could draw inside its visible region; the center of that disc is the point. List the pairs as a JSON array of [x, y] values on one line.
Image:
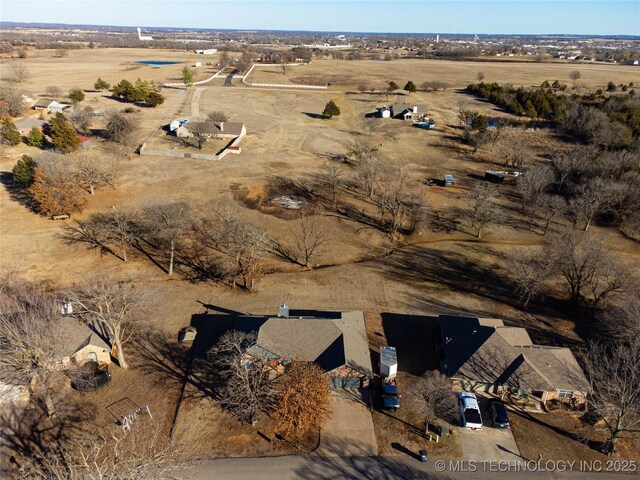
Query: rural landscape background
[[320, 210]]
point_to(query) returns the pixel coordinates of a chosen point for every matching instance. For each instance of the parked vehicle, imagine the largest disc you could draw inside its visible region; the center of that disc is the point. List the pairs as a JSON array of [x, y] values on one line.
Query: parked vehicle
[[388, 371], [423, 456], [448, 180], [469, 411], [499, 417]]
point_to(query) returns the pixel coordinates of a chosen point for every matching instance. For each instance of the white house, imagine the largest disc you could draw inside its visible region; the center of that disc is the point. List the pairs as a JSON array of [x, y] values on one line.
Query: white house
[[209, 51]]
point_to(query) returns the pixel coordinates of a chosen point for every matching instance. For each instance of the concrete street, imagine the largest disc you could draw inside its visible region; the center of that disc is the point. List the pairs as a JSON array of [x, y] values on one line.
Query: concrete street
[[312, 467]]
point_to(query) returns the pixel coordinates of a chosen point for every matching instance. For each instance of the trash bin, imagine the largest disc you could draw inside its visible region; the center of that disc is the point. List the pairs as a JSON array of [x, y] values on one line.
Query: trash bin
[[423, 456]]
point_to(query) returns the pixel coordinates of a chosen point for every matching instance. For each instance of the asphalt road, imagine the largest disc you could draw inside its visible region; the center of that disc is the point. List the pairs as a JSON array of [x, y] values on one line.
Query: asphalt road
[[312, 467], [228, 81]]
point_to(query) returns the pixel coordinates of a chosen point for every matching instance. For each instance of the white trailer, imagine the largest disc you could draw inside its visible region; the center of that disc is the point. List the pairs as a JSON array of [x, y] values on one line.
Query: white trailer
[[388, 362]]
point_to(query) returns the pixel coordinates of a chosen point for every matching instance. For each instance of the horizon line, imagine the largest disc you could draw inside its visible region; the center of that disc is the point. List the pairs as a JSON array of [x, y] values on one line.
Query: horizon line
[[323, 31]]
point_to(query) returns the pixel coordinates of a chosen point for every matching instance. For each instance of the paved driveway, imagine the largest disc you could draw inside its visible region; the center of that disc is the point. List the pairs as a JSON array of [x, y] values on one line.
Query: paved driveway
[[349, 429], [488, 443]]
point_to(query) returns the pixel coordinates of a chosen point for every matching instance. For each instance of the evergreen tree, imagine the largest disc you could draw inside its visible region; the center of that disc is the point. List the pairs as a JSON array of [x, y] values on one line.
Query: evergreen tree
[[124, 90], [530, 110], [331, 109], [35, 138], [76, 95], [101, 85], [23, 171], [187, 76], [410, 86], [391, 86], [10, 133], [63, 136], [154, 99]]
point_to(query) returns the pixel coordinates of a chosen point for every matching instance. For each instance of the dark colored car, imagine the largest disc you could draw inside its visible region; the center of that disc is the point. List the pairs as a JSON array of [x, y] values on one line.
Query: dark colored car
[[499, 417], [423, 455]]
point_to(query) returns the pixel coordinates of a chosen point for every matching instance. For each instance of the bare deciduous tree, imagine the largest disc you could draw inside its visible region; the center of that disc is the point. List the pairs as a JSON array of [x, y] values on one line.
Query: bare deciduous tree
[[95, 171], [595, 196], [480, 211], [53, 91], [201, 132], [168, 221], [613, 371], [105, 455], [11, 101], [244, 246], [120, 127], [31, 336], [244, 387], [517, 155], [331, 177], [360, 151], [303, 402], [549, 206], [368, 171], [111, 306], [534, 182], [623, 321], [81, 119], [589, 271], [217, 116], [18, 72], [529, 271], [397, 201], [309, 237], [434, 397]]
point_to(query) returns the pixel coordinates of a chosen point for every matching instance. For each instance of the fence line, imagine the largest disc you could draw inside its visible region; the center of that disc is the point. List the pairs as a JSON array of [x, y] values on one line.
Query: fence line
[[199, 156], [279, 85], [201, 82]]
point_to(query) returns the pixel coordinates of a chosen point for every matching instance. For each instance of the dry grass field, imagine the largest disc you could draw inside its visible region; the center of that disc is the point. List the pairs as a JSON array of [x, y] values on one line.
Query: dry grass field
[[341, 74], [440, 269]]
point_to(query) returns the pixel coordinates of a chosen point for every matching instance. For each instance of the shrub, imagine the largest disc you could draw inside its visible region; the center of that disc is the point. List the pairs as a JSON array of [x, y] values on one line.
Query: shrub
[[101, 85], [331, 109]]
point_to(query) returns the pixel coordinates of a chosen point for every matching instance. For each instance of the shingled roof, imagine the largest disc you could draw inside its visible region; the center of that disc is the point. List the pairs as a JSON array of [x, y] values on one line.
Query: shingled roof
[[484, 350], [75, 335], [331, 341]]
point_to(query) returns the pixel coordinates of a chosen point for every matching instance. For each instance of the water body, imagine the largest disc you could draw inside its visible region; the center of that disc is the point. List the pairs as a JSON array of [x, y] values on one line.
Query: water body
[[521, 124], [155, 63]]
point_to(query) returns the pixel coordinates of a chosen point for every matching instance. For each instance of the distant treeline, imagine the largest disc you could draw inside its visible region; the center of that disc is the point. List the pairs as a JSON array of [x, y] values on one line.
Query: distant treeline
[[612, 121]]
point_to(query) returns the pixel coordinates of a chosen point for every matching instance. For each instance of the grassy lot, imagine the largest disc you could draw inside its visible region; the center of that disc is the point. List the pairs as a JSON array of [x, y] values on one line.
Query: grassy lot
[[562, 436]]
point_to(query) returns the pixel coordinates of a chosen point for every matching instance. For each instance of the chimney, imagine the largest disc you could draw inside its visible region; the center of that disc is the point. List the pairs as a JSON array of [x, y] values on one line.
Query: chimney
[[284, 311], [222, 126]]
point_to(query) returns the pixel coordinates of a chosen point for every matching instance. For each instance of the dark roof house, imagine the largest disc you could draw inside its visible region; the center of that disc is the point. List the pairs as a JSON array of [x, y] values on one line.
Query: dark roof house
[[336, 341], [484, 352], [80, 344], [408, 111]]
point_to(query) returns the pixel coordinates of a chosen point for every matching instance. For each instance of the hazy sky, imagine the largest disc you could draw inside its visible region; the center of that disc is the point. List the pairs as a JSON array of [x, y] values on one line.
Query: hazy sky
[[438, 16]]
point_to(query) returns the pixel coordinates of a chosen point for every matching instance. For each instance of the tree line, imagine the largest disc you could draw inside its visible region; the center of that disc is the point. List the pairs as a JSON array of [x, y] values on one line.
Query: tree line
[[612, 122]]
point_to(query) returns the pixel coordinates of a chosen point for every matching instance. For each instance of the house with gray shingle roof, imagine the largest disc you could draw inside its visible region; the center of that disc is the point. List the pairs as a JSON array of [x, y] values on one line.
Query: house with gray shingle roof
[[80, 344], [336, 341], [482, 354]]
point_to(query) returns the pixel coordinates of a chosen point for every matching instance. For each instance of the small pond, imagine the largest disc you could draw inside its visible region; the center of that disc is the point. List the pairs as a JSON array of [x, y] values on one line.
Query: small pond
[[155, 63]]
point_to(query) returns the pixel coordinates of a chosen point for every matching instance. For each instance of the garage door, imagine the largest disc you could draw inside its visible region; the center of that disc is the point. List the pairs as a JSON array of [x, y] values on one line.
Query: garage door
[[346, 382]]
